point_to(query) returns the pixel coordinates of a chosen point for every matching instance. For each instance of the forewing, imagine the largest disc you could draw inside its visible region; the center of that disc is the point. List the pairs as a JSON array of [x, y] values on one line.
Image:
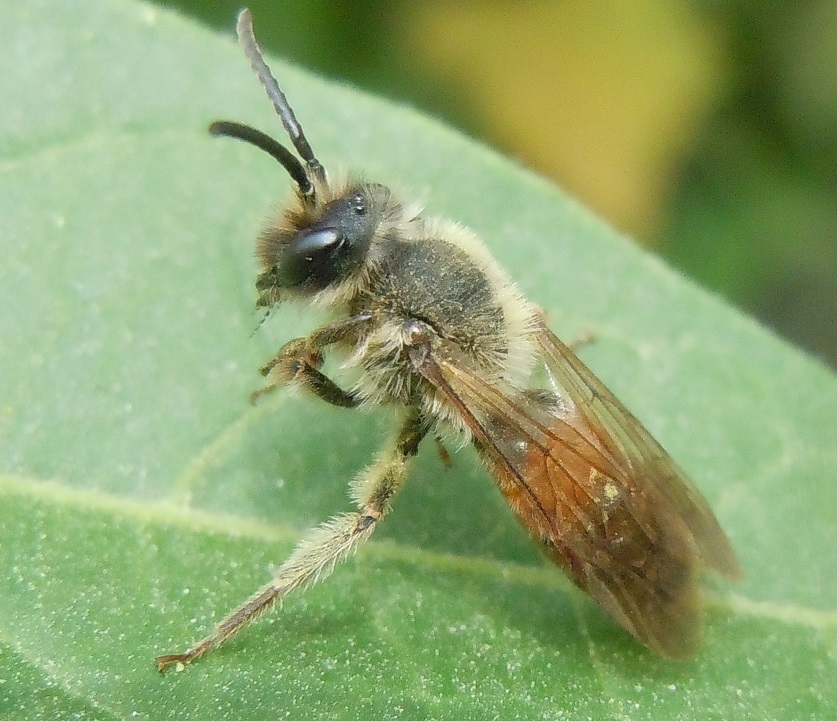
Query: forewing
[[643, 457], [577, 491]]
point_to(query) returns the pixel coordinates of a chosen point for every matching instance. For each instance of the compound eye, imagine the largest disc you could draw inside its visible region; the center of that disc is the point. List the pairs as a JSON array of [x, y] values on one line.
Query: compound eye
[[312, 259], [316, 243]]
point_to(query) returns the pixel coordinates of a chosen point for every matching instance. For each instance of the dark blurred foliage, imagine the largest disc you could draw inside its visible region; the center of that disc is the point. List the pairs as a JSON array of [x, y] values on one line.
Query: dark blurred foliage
[[753, 209], [755, 213], [359, 43]]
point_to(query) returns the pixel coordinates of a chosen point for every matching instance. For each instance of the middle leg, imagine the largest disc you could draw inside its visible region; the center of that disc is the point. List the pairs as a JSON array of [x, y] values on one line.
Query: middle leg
[[326, 545]]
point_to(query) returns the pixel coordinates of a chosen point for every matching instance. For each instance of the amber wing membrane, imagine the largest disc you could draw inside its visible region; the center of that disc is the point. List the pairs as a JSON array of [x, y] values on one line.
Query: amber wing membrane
[[640, 451], [602, 497]]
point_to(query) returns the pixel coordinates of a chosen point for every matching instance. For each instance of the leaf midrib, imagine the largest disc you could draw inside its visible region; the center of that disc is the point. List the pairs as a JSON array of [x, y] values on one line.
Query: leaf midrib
[[169, 513]]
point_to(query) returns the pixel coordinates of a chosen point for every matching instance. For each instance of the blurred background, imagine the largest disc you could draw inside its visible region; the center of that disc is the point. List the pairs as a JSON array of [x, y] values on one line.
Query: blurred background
[[705, 130]]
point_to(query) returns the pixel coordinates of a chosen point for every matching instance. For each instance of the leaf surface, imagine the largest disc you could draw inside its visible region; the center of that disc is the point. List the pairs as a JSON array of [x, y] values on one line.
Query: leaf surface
[[141, 496]]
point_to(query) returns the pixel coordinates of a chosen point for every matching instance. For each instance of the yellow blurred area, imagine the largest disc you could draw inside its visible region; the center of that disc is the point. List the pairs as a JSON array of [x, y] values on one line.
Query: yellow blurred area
[[603, 97]]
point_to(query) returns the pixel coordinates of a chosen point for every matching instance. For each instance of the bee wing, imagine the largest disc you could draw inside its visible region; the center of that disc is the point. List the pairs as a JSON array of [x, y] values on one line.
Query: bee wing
[[591, 485], [628, 440]]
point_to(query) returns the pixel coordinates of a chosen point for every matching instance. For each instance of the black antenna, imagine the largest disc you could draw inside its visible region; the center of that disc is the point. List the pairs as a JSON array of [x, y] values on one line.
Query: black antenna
[[251, 48], [272, 147], [261, 322]]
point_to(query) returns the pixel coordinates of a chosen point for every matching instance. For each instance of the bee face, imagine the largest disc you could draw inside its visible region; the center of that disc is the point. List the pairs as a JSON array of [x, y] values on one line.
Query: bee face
[[319, 248]]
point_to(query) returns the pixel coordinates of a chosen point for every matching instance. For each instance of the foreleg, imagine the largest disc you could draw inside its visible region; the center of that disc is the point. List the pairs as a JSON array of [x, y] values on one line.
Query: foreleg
[[299, 362]]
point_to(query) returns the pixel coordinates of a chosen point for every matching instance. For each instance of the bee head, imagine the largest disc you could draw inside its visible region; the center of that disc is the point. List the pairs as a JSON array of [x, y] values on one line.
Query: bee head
[[322, 247], [323, 240]]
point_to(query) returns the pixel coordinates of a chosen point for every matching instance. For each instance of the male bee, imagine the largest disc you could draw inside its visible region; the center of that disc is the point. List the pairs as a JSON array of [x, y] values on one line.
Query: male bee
[[433, 326]]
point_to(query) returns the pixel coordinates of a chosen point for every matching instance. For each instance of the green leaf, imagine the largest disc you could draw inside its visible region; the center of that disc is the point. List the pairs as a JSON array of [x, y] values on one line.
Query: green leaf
[[143, 497]]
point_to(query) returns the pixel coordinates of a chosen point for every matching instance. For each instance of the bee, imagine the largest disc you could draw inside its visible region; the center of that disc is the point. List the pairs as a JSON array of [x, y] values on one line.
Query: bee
[[434, 327]]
